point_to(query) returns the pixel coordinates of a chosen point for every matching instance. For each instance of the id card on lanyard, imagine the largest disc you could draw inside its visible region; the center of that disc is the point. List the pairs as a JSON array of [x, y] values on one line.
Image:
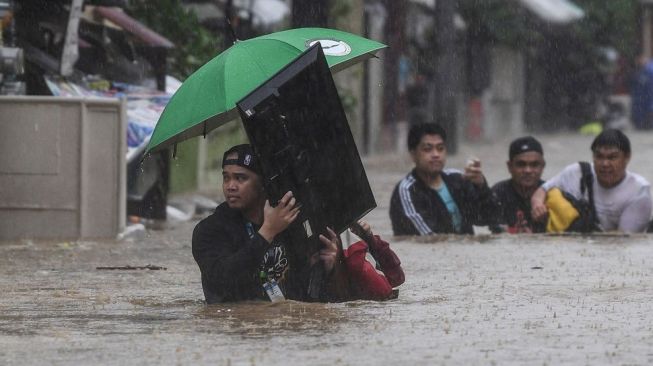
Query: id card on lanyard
[[270, 285], [273, 290]]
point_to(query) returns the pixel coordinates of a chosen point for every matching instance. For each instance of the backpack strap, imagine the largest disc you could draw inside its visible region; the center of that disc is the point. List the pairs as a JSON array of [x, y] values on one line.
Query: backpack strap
[[586, 179], [587, 183]]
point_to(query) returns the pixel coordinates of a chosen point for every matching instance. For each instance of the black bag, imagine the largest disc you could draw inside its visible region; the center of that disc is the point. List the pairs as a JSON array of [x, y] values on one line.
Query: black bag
[[587, 220]]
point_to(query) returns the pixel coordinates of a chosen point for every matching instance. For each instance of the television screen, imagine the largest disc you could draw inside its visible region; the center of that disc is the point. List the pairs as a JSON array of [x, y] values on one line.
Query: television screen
[[299, 130]]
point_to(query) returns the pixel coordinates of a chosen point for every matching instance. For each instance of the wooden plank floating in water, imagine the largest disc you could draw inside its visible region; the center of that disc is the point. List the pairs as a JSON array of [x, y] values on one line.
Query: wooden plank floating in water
[[133, 268]]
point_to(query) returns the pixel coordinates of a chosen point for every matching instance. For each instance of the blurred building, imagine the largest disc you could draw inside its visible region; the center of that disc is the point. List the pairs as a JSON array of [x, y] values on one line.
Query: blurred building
[[500, 88]]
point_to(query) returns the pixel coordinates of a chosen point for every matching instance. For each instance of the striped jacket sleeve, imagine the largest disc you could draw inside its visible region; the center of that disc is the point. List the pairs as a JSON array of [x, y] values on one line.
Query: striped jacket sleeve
[[406, 220]]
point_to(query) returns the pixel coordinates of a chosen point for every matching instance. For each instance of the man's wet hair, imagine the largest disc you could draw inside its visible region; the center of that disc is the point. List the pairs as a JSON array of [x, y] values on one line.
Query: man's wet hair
[[612, 138], [420, 130]]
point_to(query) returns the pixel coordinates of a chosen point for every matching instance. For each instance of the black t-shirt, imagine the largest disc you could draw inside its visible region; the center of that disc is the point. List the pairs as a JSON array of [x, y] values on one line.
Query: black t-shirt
[[514, 211], [274, 264], [235, 260]]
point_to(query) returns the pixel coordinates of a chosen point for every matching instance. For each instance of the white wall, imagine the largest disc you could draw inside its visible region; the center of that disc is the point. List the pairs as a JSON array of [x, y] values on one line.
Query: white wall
[[62, 167], [503, 102]]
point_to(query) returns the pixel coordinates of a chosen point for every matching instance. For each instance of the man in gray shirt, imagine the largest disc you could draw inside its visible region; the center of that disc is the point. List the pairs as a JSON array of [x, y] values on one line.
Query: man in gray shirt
[[622, 199]]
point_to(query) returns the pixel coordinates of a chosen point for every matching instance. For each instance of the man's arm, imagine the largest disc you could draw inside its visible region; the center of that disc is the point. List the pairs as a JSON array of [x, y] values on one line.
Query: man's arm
[[405, 218], [498, 223], [539, 212], [226, 269], [387, 261], [487, 208], [635, 218], [567, 180], [479, 198]]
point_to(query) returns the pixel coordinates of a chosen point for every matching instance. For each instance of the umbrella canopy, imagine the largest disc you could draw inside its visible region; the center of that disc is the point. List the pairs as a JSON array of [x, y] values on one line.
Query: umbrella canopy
[[207, 99]]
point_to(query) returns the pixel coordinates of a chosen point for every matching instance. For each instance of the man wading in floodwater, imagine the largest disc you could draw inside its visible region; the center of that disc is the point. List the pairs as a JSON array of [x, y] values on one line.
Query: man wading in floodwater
[[435, 200], [238, 248], [525, 164], [622, 199], [241, 248]]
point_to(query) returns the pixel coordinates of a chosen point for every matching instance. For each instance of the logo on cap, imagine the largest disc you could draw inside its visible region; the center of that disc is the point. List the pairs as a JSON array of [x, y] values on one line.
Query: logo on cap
[[247, 160]]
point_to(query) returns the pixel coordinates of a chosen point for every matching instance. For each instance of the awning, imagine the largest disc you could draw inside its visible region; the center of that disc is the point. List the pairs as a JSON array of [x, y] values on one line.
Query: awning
[[427, 3], [131, 25], [267, 12], [264, 12], [554, 11]]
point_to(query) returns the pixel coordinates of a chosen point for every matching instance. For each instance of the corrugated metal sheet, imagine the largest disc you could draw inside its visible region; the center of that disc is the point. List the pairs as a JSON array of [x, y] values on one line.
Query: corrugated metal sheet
[[554, 11]]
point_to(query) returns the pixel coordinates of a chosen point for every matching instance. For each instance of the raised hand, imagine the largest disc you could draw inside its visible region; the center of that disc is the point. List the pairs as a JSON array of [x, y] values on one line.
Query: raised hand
[[329, 253], [362, 229], [277, 219], [473, 172]]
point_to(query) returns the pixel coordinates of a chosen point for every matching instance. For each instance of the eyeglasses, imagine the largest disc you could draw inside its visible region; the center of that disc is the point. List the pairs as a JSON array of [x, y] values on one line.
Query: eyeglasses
[[531, 164]]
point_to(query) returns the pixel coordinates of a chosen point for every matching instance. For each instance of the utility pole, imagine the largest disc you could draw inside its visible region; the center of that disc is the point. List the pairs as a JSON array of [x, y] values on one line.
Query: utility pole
[[446, 70], [393, 106], [70, 52]]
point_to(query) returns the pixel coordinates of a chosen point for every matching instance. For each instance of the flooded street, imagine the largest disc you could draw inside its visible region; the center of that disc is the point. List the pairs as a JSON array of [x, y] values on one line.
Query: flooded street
[[484, 300]]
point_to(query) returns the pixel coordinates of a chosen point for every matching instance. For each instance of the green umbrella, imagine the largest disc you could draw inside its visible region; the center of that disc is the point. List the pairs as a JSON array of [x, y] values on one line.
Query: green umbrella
[[207, 99]]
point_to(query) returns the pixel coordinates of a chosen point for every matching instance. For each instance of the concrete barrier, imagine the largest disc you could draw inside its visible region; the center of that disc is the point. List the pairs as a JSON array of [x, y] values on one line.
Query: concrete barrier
[[62, 167]]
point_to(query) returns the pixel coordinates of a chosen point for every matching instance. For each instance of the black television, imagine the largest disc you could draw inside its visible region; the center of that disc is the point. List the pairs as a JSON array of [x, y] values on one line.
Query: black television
[[298, 128]]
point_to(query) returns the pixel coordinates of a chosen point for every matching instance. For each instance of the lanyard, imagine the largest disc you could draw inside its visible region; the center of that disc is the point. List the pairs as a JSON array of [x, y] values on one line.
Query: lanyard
[[269, 284], [250, 230]]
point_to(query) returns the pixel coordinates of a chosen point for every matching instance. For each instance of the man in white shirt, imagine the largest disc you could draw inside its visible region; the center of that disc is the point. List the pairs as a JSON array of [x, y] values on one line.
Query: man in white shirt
[[622, 199]]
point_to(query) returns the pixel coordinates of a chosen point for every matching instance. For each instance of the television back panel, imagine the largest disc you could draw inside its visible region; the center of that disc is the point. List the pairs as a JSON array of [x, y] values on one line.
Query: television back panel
[[299, 130]]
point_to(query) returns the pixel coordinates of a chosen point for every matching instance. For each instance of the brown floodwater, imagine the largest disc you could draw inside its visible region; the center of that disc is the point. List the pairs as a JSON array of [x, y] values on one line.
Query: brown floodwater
[[484, 300], [467, 300]]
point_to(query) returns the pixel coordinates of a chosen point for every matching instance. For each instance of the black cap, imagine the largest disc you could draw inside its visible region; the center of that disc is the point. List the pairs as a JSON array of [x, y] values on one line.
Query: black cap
[[524, 144], [246, 158]]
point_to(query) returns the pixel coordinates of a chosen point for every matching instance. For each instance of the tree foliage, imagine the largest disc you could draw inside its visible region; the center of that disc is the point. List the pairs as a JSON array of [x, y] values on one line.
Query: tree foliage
[[609, 23], [194, 45], [605, 24], [498, 21]]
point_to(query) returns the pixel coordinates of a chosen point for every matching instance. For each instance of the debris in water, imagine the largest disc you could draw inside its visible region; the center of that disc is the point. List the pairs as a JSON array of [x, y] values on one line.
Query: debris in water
[[132, 268]]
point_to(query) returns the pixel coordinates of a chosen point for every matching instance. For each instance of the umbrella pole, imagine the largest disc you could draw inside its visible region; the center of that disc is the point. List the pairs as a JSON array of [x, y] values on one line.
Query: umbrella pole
[[227, 16]]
